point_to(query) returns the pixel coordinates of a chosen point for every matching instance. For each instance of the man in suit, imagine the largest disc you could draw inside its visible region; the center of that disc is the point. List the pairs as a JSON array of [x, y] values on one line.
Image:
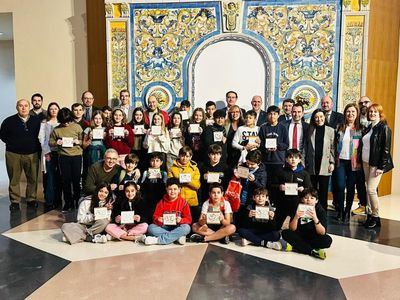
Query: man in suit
[[231, 99], [88, 108], [332, 118], [256, 103], [297, 128], [125, 104], [287, 106]]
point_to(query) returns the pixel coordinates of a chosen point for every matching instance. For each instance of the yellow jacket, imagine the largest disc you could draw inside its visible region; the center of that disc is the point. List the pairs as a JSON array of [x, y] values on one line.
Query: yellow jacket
[[189, 190]]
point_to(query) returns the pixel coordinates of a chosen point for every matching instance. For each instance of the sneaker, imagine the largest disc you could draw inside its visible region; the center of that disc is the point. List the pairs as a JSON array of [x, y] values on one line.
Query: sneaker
[[140, 238], [151, 240], [182, 240], [286, 246], [318, 253], [360, 210], [275, 245], [109, 237], [244, 242], [100, 239], [14, 207], [64, 239], [225, 240], [32, 204], [196, 238]]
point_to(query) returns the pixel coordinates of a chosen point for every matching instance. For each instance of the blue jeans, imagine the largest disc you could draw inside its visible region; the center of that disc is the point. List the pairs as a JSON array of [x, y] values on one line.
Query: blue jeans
[[345, 179], [168, 234], [258, 236]]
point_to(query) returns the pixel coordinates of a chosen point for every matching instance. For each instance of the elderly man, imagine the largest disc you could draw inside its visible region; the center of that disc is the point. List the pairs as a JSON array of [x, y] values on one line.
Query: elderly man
[[88, 108], [256, 104], [20, 134], [152, 108], [332, 118], [287, 106], [102, 171], [37, 110], [125, 104], [231, 99]]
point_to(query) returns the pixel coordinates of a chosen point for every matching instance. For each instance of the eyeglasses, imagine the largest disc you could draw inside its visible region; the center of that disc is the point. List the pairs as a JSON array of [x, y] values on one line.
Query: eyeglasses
[[111, 158]]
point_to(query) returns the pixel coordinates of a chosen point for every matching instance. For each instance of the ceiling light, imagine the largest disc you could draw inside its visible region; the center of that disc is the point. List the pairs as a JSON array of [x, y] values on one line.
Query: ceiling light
[[1, 33]]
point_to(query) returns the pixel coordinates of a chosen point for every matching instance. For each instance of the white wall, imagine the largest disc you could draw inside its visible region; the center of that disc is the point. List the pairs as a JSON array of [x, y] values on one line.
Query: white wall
[[225, 66]]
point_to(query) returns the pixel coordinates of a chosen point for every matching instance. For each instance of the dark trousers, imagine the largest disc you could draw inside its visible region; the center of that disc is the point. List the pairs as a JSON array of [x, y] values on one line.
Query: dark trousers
[[272, 182], [195, 212], [321, 184], [361, 189], [285, 206], [344, 178], [70, 168], [257, 236], [305, 243], [52, 182]]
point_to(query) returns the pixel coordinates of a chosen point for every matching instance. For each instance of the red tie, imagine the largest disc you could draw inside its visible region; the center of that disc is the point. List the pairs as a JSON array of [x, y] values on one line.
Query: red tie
[[294, 142]]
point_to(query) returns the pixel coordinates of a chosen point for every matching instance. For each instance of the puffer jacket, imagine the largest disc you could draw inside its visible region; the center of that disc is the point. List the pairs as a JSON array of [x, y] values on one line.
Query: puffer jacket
[[189, 190]]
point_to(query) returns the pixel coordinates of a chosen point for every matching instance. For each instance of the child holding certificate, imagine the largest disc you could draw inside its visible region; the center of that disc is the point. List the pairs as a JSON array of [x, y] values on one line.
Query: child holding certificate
[[171, 219], [307, 228], [128, 218], [177, 140], [216, 134], [259, 224], [292, 179], [93, 217], [130, 173], [186, 171], [139, 128], [215, 220], [93, 139], [193, 133]]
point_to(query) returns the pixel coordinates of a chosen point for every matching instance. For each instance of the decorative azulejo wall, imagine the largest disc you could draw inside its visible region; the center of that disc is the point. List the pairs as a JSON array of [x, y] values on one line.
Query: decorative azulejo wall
[[153, 47]]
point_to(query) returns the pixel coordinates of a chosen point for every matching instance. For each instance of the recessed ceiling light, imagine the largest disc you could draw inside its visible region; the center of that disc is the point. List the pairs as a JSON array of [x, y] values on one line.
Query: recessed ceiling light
[[1, 33]]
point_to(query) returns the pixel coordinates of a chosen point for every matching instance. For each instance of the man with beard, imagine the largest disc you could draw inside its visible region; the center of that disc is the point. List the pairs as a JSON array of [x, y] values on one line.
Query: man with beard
[[37, 110]]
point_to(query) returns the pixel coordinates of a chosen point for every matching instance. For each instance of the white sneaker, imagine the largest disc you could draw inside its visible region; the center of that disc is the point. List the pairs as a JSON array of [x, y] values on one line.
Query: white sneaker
[[64, 239], [182, 240], [99, 239], [109, 237], [140, 238], [275, 245], [151, 240], [244, 242]]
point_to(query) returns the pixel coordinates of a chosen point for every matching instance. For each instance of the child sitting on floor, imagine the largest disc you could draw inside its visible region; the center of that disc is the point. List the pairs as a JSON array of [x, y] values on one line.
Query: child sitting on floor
[[307, 228], [215, 219], [87, 227], [128, 229], [259, 224], [171, 219]]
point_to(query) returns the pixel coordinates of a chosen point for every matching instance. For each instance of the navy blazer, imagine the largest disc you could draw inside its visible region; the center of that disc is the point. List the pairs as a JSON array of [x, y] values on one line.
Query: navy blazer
[[282, 118], [335, 119], [304, 125], [262, 118]]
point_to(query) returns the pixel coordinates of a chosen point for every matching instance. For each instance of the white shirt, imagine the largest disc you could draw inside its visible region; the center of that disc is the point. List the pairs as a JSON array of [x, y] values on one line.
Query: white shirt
[[299, 135], [345, 151], [366, 140], [227, 207]]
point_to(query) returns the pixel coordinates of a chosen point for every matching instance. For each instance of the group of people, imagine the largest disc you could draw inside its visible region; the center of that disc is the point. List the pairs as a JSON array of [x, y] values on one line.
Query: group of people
[[149, 176]]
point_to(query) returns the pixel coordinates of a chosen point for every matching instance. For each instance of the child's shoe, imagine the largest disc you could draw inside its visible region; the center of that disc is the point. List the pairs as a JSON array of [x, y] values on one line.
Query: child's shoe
[[64, 239], [99, 239], [182, 240], [225, 240], [318, 253], [275, 245], [109, 237], [196, 238], [244, 242], [151, 240], [140, 238]]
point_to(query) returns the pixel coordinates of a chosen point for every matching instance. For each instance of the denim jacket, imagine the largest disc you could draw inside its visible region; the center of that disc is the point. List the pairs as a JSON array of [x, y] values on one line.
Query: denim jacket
[[355, 139]]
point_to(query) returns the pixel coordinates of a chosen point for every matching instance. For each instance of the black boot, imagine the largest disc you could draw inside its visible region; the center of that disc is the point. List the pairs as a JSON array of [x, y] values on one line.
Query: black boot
[[367, 221], [346, 218], [339, 216], [373, 223], [378, 222]]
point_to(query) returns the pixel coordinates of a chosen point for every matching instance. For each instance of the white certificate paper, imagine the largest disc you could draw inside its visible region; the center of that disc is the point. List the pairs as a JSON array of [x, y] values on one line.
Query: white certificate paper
[[212, 177], [98, 133], [194, 128], [213, 218], [175, 132], [119, 131], [291, 189], [209, 122], [156, 130], [184, 114], [127, 217], [138, 129], [169, 219], [270, 143], [185, 177], [154, 173], [100, 213], [243, 172], [67, 142], [306, 209], [262, 212], [218, 135]]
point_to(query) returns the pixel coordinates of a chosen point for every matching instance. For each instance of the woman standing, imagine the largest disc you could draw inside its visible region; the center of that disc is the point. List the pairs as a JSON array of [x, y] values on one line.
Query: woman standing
[[320, 154], [235, 120], [376, 159], [347, 138]]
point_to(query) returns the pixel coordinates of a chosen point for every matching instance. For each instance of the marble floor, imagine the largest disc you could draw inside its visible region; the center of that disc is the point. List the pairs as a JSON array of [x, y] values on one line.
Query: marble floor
[[35, 264]]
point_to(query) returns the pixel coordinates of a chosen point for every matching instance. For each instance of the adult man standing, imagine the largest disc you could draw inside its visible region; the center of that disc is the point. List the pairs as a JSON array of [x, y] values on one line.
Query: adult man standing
[[231, 99], [77, 114], [363, 105], [88, 108], [256, 103], [102, 171], [287, 106], [152, 108], [37, 110], [20, 134], [297, 128], [332, 118], [125, 104]]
